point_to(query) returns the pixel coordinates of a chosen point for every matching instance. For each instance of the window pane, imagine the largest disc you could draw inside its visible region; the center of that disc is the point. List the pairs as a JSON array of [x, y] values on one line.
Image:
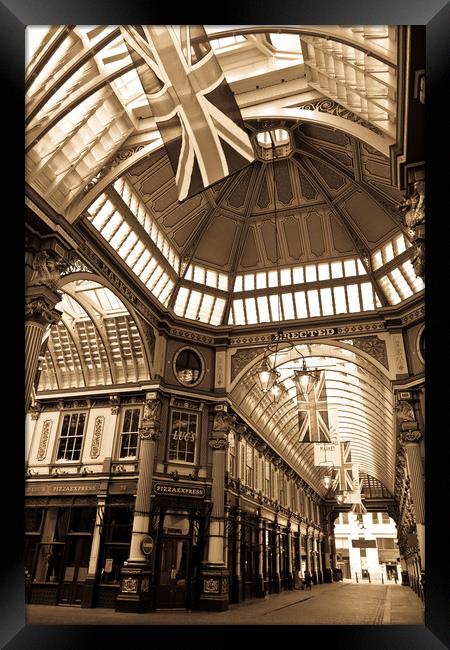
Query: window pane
[[263, 308], [311, 273], [250, 307], [349, 267], [288, 306], [285, 276], [300, 304], [353, 298], [367, 296], [261, 280], [238, 283], [313, 302], [327, 302], [324, 271], [298, 275], [249, 282], [336, 270], [339, 300], [275, 307]]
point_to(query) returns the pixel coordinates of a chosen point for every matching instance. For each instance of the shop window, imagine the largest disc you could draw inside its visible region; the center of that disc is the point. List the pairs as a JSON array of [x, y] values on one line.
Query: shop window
[[188, 367], [231, 454], [183, 436], [249, 466], [33, 524], [71, 437], [82, 520], [116, 546], [129, 434]]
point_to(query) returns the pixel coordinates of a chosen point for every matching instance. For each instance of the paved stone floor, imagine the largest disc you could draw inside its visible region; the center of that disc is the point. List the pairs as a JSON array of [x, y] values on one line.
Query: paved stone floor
[[341, 603]]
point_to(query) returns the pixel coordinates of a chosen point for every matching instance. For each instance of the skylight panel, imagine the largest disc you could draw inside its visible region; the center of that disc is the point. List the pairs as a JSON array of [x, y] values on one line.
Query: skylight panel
[[127, 245], [349, 268], [206, 307], [313, 302], [141, 263], [400, 284], [238, 283], [119, 236], [199, 274], [340, 300], [288, 306], [160, 284], [324, 271], [360, 266], [367, 296], [272, 278], [217, 313], [336, 270], [250, 309], [416, 281], [353, 298], [147, 272], [261, 280], [399, 244], [112, 225], [275, 307], [298, 275], [238, 309], [286, 42], [166, 293], [300, 304], [377, 260], [135, 255], [263, 309], [311, 273], [249, 282], [154, 277], [223, 281], [180, 302], [390, 290], [211, 278], [193, 304], [388, 252], [327, 302], [285, 277]]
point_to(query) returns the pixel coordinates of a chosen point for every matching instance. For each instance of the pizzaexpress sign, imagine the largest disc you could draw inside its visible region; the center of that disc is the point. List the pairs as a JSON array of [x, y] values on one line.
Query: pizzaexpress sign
[[170, 489]]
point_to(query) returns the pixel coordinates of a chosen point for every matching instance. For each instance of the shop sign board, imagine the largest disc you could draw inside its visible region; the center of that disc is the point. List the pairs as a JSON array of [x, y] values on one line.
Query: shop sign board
[[170, 489]]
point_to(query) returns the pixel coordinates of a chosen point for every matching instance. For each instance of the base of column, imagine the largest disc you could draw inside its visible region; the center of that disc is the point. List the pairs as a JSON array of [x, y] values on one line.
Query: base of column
[[214, 591], [327, 575], [236, 590], [260, 591], [277, 584], [87, 597], [289, 581], [314, 577], [135, 588]]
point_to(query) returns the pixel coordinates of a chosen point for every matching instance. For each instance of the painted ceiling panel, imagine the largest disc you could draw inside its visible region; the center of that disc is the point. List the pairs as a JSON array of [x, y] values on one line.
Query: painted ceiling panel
[[342, 241], [293, 237], [217, 243], [315, 232], [372, 220]]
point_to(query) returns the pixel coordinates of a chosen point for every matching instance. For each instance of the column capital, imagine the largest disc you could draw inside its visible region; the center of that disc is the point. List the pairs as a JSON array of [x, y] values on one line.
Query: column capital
[[41, 308], [218, 444], [412, 436], [223, 423], [147, 433]]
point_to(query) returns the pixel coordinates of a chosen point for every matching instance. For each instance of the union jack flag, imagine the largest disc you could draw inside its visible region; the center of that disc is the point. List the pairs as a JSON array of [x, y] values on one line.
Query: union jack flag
[[345, 476], [313, 419], [195, 111]]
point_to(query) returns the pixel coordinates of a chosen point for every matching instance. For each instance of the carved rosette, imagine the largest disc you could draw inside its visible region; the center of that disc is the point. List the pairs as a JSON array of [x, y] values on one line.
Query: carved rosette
[[97, 437], [43, 442]]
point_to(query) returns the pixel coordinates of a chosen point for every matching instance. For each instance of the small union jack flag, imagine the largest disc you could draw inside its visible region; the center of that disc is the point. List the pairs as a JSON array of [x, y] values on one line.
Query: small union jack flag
[[313, 414], [195, 111]]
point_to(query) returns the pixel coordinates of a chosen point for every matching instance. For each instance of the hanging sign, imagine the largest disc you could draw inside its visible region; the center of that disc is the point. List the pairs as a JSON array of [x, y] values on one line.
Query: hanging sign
[[327, 454]]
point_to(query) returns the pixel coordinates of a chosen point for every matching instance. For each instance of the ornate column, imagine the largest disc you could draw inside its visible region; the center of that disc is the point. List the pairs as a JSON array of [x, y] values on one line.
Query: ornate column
[[135, 592], [327, 572], [89, 584], [290, 576], [214, 590], [411, 437], [260, 590], [237, 578], [277, 582], [43, 274], [314, 557], [319, 558]]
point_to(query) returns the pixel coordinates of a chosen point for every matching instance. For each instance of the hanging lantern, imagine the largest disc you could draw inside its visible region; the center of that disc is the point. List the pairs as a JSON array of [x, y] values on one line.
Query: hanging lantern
[[266, 376], [305, 379], [277, 390]]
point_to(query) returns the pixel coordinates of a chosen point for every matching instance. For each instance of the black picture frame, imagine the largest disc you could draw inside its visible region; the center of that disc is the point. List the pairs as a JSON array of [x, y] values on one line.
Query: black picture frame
[[14, 16]]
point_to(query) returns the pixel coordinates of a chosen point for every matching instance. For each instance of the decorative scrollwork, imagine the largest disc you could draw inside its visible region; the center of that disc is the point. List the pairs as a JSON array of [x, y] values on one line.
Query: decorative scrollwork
[[333, 108]]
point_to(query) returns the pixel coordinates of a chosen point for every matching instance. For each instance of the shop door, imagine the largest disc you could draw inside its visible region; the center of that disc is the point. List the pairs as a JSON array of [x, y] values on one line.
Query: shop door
[[75, 568], [174, 573]]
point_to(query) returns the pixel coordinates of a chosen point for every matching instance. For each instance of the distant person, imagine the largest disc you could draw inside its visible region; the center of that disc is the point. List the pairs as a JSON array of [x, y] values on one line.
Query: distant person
[[308, 581]]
